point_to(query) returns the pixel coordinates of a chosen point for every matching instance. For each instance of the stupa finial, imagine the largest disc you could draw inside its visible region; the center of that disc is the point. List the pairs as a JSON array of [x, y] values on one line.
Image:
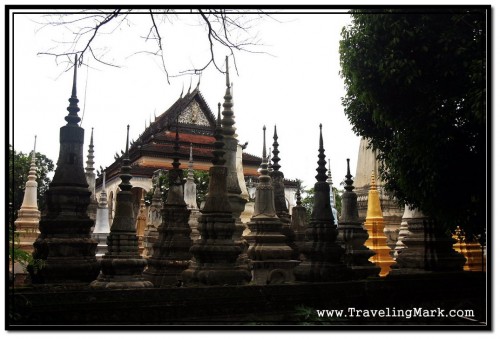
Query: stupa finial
[[33, 155], [125, 175], [218, 151], [228, 84], [73, 109], [373, 185], [321, 176], [275, 166], [298, 196], [348, 179], [104, 181]]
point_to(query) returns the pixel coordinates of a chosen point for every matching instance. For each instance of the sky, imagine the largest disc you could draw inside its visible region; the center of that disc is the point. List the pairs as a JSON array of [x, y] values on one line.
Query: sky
[[295, 84]]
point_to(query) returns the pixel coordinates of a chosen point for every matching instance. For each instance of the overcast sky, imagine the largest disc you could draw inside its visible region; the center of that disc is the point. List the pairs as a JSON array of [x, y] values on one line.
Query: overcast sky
[[296, 86]]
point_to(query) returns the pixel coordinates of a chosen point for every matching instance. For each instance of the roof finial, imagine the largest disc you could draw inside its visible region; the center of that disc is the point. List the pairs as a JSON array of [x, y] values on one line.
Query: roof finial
[[276, 166], [199, 80], [182, 92], [228, 85], [189, 89], [321, 176], [73, 109]]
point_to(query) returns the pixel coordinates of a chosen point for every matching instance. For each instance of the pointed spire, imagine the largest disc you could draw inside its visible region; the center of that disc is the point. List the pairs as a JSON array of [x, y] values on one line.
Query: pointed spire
[[373, 185], [228, 120], [348, 179], [227, 73], [276, 166], [33, 155], [90, 157], [125, 169], [321, 176], [218, 151], [329, 176], [298, 196], [73, 109], [264, 169], [190, 173]]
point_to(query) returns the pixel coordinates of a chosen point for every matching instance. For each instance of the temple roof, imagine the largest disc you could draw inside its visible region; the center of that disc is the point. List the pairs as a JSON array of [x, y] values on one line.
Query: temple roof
[[196, 126]]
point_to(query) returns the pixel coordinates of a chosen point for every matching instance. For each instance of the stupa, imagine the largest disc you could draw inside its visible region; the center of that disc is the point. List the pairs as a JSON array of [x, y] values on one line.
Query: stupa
[[353, 236], [171, 251], [65, 243], [374, 224], [279, 198], [101, 229], [323, 255], [154, 218], [122, 266], [28, 215], [190, 198], [216, 252], [269, 254]]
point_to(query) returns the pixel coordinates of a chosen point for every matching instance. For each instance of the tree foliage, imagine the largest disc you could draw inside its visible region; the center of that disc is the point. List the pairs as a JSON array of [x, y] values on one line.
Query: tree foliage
[[200, 179], [416, 89], [19, 166]]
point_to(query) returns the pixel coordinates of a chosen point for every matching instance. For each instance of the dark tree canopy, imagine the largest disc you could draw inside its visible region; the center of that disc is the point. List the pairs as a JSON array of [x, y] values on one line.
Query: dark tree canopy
[[416, 88], [19, 166]]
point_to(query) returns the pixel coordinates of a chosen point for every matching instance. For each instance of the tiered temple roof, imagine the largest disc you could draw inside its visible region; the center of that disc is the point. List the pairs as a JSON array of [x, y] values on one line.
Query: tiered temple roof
[[155, 146]]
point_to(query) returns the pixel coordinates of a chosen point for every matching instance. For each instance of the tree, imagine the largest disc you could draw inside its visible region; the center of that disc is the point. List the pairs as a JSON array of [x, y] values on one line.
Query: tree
[[226, 29], [200, 179], [19, 166], [416, 89]]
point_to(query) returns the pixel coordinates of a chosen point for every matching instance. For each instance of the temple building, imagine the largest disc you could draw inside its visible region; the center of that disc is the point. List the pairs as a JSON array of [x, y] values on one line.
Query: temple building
[[154, 148]]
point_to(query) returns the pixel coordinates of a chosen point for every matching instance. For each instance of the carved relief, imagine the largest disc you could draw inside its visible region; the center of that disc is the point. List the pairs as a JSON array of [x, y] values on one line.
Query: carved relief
[[193, 115]]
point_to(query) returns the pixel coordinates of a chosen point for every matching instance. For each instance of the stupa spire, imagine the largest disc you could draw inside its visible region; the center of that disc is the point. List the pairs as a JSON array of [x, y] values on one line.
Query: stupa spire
[[329, 176], [90, 156], [32, 171], [275, 166], [73, 109], [321, 176]]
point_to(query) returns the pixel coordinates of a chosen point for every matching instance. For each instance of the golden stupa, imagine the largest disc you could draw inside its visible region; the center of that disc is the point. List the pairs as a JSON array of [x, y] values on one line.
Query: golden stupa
[[374, 224], [471, 250]]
